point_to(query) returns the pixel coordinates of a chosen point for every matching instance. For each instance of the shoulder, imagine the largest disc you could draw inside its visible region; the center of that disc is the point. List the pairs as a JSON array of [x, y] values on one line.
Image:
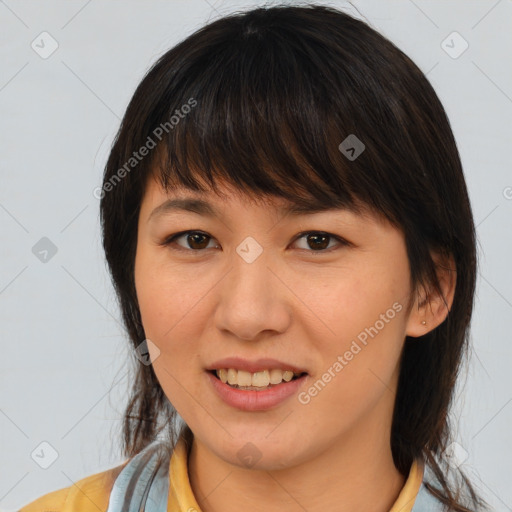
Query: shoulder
[[426, 502], [88, 494]]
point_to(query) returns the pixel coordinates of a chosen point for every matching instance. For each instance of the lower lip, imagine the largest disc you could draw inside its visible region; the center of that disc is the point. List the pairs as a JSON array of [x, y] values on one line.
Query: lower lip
[[256, 400]]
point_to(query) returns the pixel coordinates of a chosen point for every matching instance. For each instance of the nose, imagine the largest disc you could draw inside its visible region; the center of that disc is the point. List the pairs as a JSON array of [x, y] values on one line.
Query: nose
[[253, 301]]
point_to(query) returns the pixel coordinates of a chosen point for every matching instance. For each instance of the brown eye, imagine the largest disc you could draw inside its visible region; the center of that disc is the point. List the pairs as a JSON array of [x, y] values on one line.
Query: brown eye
[[194, 241], [197, 240], [318, 241]]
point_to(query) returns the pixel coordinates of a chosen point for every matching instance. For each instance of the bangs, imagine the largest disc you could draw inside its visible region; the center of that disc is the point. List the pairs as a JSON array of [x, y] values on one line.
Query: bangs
[[261, 115]]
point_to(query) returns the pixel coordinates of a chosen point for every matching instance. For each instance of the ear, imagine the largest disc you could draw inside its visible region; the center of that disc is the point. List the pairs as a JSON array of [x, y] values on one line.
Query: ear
[[430, 309]]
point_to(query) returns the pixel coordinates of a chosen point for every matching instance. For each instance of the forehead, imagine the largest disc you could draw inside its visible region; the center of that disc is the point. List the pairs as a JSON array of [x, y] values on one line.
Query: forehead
[[213, 203]]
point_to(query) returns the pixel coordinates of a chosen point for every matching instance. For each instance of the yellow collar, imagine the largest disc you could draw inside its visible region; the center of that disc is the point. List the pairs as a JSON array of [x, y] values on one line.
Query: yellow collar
[[182, 499]]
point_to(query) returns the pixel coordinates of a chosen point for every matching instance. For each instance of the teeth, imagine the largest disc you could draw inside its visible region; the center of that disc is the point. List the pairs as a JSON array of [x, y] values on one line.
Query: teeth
[[232, 376], [261, 379], [244, 378]]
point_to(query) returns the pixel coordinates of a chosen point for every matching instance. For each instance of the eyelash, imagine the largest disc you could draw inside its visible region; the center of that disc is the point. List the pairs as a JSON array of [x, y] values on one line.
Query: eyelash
[[169, 241]]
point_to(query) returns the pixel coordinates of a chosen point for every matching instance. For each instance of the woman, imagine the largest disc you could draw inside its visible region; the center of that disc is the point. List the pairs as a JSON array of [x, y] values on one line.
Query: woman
[[288, 230]]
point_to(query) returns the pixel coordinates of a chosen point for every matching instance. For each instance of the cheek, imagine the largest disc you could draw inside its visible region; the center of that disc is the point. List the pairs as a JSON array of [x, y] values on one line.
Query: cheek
[[353, 300], [358, 328], [172, 313], [166, 296], [359, 365]]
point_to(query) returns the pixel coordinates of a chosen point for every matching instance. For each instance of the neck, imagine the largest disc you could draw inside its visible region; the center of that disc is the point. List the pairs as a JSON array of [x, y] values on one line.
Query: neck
[[355, 473]]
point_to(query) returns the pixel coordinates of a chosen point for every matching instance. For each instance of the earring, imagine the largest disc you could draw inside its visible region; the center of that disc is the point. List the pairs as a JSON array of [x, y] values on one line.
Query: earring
[[423, 322]]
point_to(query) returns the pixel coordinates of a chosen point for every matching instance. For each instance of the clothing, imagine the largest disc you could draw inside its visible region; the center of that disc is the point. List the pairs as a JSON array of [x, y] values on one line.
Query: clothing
[[165, 487]]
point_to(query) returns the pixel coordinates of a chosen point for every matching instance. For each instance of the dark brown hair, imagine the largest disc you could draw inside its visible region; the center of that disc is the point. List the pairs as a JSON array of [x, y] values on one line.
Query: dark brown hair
[[262, 100]]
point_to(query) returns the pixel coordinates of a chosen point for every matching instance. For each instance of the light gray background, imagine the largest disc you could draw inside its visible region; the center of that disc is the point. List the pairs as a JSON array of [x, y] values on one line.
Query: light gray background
[[63, 367]]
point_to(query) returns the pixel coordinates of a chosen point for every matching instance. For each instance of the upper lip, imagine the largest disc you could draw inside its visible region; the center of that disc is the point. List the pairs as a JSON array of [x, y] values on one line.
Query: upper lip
[[257, 365]]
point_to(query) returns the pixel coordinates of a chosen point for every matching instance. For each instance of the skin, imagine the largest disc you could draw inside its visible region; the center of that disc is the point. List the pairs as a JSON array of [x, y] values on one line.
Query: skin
[[295, 304]]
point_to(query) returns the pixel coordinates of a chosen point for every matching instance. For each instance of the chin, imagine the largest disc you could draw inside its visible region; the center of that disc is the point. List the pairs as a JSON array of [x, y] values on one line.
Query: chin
[[260, 453]]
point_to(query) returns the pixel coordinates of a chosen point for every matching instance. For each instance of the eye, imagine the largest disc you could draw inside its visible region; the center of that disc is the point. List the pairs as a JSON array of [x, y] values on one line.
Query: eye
[[317, 241], [196, 240]]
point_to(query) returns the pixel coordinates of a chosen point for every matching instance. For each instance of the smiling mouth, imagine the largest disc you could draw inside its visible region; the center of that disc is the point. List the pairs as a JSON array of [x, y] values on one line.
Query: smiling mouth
[[258, 381]]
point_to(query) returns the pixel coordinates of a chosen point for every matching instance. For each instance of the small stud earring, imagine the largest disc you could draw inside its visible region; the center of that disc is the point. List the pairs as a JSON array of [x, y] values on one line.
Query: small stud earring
[[423, 322]]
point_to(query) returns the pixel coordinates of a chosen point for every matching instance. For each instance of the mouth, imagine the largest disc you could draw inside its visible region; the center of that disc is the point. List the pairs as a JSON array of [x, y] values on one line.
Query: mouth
[[257, 381]]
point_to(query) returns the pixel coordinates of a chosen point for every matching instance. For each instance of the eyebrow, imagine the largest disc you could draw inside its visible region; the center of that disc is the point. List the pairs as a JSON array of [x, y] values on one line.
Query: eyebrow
[[203, 207]]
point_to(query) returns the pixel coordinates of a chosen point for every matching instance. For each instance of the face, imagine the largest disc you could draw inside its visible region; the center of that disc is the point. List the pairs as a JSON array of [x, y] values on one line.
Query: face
[[322, 294]]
